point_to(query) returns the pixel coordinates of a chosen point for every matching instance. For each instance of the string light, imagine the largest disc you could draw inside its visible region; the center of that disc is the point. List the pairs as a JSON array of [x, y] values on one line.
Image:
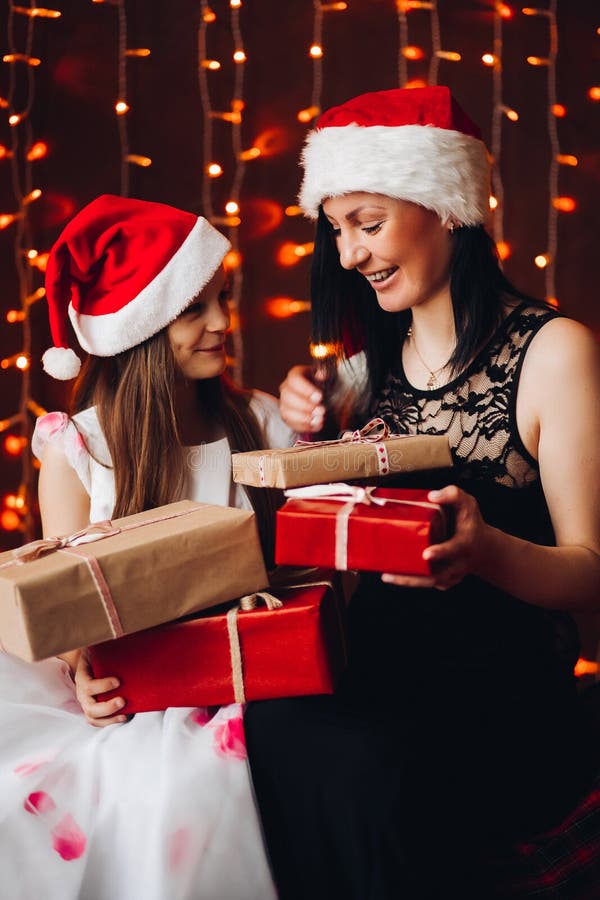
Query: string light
[[594, 93], [564, 204], [285, 307], [138, 51], [542, 260], [214, 170], [322, 351], [489, 59], [567, 159], [559, 110], [499, 109], [24, 152], [137, 160], [538, 61]]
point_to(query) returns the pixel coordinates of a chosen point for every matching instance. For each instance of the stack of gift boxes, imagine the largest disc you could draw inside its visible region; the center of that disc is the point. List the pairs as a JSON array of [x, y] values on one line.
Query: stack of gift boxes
[[176, 602]]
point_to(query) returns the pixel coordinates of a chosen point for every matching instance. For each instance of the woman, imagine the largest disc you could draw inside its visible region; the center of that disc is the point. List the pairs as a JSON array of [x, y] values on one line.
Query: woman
[[158, 806], [458, 728]]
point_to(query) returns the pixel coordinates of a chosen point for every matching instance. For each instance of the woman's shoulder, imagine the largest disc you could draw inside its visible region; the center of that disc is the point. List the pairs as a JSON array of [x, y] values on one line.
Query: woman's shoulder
[[78, 437], [266, 409]]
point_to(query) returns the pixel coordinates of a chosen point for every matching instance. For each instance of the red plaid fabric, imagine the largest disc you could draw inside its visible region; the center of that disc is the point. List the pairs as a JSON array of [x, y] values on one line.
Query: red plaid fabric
[[561, 864]]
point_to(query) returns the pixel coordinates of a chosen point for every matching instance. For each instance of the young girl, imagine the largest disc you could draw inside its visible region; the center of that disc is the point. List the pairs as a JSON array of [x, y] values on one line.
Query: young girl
[[458, 727], [158, 807]]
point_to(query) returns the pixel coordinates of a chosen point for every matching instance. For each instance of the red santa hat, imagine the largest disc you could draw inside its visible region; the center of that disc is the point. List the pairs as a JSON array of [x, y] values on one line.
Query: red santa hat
[[414, 144], [122, 270]]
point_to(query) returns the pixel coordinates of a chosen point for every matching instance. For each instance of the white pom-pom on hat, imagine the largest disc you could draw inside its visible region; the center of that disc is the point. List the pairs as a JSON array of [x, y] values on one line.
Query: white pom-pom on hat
[[61, 363]]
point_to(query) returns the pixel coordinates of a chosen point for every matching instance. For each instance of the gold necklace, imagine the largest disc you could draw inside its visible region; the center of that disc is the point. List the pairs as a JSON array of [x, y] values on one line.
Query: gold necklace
[[432, 381]]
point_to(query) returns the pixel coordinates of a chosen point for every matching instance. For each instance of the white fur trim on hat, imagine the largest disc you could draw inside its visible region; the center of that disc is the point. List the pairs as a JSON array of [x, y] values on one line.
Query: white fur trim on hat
[[160, 302], [61, 363], [443, 170]]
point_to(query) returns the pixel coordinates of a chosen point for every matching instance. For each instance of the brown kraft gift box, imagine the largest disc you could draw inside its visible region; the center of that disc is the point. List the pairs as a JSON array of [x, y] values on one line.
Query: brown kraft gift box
[[368, 453], [144, 570]]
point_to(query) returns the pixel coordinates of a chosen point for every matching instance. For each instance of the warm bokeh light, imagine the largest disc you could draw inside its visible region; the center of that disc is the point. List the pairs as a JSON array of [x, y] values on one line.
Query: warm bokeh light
[[138, 51], [322, 351], [5, 153], [37, 151], [504, 10], [14, 501], [302, 250], [21, 57], [38, 294], [239, 56], [214, 170], [316, 51], [272, 141], [293, 210], [306, 115], [15, 315], [7, 219], [22, 362], [235, 4], [553, 302], [251, 153], [15, 118], [212, 64], [503, 249], [9, 520], [334, 7], [413, 53], [232, 260], [542, 260], [37, 12], [121, 107], [511, 114], [416, 83], [137, 160], [14, 444], [285, 307], [565, 204], [538, 60], [450, 55], [232, 208], [286, 255], [567, 159], [559, 110], [208, 16], [493, 201], [31, 197], [585, 667], [489, 59], [594, 93], [40, 261]]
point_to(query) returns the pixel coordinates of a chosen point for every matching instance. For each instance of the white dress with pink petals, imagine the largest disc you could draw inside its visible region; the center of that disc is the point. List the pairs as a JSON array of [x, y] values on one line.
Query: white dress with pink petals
[[158, 808]]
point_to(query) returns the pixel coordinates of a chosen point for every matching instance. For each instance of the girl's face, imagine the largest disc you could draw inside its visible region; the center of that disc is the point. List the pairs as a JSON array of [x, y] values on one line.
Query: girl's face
[[402, 249], [197, 336]]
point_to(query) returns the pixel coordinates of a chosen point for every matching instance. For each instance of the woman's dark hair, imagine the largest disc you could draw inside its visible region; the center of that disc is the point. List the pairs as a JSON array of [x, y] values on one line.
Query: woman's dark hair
[[134, 396], [345, 311]]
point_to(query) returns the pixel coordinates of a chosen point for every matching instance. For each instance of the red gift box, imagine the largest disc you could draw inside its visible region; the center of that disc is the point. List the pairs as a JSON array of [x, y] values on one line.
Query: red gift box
[[294, 650], [365, 529]]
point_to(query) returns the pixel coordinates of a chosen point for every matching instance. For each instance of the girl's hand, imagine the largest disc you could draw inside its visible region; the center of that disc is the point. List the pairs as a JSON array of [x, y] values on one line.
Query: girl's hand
[[461, 554], [97, 712], [301, 401]]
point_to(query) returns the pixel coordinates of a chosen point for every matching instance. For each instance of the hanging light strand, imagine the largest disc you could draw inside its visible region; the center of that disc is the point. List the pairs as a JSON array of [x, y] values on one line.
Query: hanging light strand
[[21, 169], [436, 44], [402, 43], [122, 89], [236, 187], [317, 56], [497, 119], [550, 271], [206, 18]]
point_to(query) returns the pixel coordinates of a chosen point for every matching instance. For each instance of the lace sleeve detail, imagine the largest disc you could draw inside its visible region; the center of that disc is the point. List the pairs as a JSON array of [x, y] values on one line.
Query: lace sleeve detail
[[58, 429]]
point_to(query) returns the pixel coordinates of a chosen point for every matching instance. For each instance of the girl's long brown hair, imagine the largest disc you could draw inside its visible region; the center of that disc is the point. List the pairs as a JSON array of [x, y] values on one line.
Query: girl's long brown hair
[[134, 396]]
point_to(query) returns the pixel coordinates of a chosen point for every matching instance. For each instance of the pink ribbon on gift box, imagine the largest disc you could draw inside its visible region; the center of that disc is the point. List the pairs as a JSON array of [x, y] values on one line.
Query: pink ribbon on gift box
[[374, 432], [351, 496], [71, 544]]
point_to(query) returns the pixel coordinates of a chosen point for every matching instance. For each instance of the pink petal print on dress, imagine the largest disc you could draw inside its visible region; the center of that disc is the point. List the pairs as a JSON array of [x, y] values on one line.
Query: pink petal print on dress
[[39, 803], [178, 848], [52, 422], [32, 765], [200, 716], [68, 839], [230, 740]]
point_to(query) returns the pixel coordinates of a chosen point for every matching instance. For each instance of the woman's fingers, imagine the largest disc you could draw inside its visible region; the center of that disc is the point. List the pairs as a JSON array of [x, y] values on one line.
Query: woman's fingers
[[300, 401]]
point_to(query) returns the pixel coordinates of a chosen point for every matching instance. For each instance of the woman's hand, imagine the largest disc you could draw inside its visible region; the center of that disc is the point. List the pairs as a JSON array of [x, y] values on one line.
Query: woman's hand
[[301, 401], [97, 712], [458, 556]]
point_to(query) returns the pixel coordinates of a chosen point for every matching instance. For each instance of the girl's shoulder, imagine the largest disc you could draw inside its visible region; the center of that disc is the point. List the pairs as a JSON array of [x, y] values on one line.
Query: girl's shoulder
[[266, 409], [79, 437]]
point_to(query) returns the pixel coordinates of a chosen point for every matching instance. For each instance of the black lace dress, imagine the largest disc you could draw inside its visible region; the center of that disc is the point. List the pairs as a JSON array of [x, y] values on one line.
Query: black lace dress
[[457, 726]]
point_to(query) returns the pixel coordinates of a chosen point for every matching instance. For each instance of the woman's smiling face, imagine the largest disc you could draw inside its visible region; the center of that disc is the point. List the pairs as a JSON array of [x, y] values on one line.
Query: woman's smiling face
[[402, 249], [197, 336]]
